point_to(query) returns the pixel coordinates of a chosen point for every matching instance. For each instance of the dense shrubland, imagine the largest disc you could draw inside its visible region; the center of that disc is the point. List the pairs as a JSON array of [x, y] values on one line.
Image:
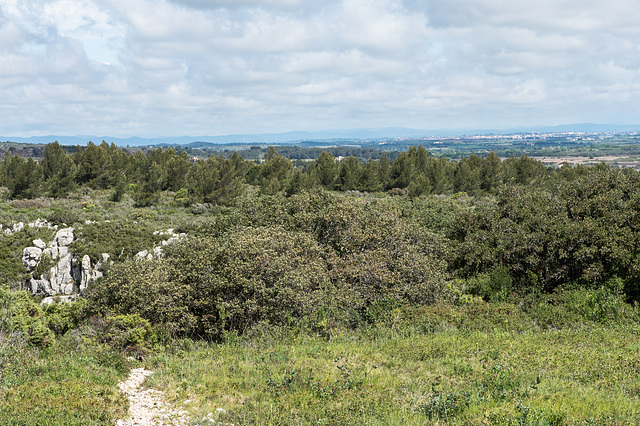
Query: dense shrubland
[[271, 245], [313, 258], [337, 251]]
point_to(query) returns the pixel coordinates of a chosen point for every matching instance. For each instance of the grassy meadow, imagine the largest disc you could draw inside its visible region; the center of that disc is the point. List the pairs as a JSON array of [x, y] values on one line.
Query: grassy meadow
[[419, 368], [426, 366]]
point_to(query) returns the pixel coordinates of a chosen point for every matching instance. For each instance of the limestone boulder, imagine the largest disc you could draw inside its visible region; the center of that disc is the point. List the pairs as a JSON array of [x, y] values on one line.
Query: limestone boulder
[[50, 300], [40, 244], [31, 256], [40, 286], [64, 237]]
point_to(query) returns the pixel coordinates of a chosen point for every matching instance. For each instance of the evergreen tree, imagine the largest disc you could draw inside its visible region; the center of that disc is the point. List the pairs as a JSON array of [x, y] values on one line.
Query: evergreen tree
[[384, 171], [325, 170], [370, 177], [58, 169], [22, 177], [349, 173], [215, 180], [177, 166], [491, 173], [439, 172], [90, 163], [401, 171], [114, 168], [297, 183], [274, 172]]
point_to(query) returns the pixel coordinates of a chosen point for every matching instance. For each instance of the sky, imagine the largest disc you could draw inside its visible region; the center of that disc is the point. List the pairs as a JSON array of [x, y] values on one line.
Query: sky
[[213, 67]]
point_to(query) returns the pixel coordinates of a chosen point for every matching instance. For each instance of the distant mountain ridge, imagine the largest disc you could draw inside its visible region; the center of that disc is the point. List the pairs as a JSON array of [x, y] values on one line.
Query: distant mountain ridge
[[299, 136]]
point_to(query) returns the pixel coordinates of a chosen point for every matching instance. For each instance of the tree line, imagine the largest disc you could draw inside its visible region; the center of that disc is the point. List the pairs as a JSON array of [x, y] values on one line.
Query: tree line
[[221, 180]]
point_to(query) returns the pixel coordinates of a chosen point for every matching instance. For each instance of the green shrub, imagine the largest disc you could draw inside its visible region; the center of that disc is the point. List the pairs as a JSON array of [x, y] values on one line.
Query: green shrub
[[401, 276], [63, 216], [210, 287], [181, 198], [20, 313], [125, 333], [256, 275], [121, 239], [146, 288], [61, 317], [43, 268], [12, 270], [441, 405], [144, 198], [573, 307], [603, 304]]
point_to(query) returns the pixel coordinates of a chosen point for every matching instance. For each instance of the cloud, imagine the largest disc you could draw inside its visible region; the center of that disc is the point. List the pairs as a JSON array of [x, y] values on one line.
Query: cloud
[[206, 67], [235, 4]]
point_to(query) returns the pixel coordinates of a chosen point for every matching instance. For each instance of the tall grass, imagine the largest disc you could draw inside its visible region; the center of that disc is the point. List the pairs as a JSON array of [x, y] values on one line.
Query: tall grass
[[68, 384], [408, 374]]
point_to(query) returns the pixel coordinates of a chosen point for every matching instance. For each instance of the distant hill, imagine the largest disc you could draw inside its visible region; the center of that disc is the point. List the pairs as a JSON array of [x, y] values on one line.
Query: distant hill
[[313, 136]]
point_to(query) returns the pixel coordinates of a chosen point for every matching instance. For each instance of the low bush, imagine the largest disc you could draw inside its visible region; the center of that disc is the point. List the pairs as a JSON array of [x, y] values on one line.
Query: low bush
[[63, 216], [209, 287], [61, 317], [126, 333], [121, 239], [20, 313], [146, 288]]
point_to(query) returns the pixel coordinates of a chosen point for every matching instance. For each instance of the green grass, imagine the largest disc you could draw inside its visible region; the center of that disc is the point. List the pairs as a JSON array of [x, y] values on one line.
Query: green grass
[[406, 375], [397, 373], [68, 384]]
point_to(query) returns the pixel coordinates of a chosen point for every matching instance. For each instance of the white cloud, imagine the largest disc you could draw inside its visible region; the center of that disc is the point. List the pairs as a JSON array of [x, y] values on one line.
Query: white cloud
[[194, 66], [216, 4]]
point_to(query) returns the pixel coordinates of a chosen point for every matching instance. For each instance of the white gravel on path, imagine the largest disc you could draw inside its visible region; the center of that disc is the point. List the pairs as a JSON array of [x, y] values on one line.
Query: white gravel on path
[[147, 406]]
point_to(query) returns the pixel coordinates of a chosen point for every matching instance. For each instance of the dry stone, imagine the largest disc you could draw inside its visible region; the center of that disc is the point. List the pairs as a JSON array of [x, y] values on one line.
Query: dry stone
[[40, 244], [60, 278], [30, 257], [157, 252], [64, 237], [58, 299], [66, 275]]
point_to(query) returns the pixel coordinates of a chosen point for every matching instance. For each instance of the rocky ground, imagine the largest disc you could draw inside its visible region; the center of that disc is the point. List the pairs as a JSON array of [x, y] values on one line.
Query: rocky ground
[[147, 406]]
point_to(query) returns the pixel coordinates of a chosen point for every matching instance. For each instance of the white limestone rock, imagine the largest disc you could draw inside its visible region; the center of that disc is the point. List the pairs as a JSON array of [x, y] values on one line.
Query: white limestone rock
[[40, 244], [85, 274], [40, 223], [51, 252], [64, 237], [59, 279], [50, 300], [40, 287], [63, 278], [30, 257], [63, 251]]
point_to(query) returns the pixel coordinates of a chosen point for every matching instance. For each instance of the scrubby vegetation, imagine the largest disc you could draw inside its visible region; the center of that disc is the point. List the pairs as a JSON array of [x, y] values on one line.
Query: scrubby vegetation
[[413, 291]]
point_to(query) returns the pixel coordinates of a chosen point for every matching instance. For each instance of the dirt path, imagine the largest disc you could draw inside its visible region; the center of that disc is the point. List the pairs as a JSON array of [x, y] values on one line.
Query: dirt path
[[147, 406]]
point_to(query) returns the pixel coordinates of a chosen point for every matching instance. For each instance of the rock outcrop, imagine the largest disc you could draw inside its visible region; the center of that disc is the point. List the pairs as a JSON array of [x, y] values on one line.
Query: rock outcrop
[[17, 227], [56, 273], [157, 251], [52, 267], [86, 272]]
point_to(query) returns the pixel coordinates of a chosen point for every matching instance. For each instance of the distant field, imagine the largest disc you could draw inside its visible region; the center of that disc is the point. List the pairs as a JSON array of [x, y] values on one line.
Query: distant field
[[614, 160]]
